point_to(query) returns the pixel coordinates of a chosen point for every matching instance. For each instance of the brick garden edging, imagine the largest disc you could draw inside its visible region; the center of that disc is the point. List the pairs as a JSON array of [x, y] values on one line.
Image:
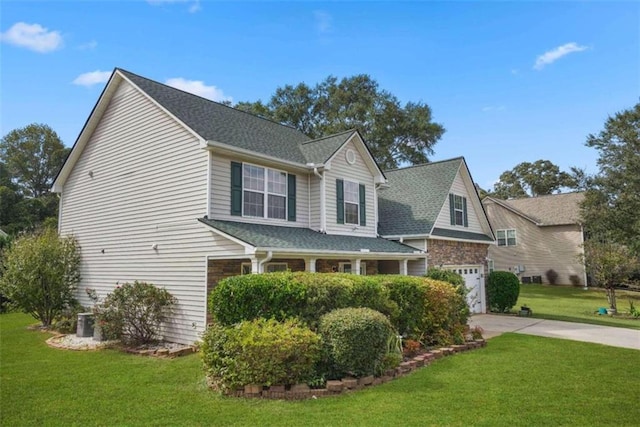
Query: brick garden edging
[[336, 387]]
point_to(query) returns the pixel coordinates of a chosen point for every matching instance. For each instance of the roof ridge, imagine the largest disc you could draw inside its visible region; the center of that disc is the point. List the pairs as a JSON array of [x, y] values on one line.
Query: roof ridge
[[209, 100], [425, 164], [545, 196], [329, 136]]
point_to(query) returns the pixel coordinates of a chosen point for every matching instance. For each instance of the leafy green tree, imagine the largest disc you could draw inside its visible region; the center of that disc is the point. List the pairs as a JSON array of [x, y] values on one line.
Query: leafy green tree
[[41, 273], [539, 178], [609, 265], [32, 156], [611, 209], [395, 133]]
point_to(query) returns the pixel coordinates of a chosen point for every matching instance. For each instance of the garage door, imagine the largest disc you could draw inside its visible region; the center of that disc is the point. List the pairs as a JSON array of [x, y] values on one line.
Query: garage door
[[473, 280]]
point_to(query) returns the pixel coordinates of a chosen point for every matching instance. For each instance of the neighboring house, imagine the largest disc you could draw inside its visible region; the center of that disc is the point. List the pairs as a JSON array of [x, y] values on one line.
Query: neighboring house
[[435, 207], [534, 235], [170, 188]]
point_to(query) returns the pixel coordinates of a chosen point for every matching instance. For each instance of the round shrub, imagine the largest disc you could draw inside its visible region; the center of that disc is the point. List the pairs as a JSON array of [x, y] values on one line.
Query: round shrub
[[356, 341], [273, 295], [503, 288], [447, 276], [261, 351]]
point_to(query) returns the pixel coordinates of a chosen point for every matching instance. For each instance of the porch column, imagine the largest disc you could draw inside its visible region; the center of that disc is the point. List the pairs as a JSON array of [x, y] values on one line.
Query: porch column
[[403, 267], [255, 266], [310, 265], [355, 266]]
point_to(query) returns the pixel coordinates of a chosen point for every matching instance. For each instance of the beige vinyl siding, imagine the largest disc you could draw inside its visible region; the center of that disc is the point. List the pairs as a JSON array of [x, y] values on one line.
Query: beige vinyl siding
[[417, 267], [359, 173], [221, 196], [538, 249], [314, 203], [444, 217], [140, 181]]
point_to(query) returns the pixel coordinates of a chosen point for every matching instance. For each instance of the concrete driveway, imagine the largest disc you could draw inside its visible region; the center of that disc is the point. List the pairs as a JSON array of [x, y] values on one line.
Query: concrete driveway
[[495, 325]]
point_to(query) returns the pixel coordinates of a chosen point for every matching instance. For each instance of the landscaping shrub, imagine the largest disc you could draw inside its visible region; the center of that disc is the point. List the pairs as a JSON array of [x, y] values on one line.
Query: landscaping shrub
[[448, 276], [41, 274], [251, 296], [410, 296], [260, 351], [575, 280], [134, 312], [356, 341], [503, 288], [552, 276]]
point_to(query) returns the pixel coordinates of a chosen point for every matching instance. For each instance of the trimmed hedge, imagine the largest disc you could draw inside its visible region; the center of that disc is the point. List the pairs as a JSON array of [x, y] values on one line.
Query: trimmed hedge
[[261, 351], [419, 308], [503, 289], [356, 341]]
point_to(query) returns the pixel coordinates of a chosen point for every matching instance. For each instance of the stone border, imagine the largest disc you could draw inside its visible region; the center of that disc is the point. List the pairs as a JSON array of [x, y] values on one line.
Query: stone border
[[100, 345], [333, 388]]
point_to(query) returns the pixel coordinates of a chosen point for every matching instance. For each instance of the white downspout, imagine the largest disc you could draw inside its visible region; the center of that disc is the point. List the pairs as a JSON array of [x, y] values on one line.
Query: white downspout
[[262, 262], [584, 268], [323, 215]]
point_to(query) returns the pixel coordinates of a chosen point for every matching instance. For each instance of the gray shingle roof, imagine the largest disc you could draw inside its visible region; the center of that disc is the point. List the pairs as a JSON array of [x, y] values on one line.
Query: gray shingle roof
[[295, 238], [554, 209], [459, 234], [321, 149], [416, 194]]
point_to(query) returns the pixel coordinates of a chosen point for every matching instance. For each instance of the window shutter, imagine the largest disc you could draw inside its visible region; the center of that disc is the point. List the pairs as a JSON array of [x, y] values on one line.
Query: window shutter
[[236, 188], [363, 206], [452, 211], [291, 197], [464, 211], [340, 201]]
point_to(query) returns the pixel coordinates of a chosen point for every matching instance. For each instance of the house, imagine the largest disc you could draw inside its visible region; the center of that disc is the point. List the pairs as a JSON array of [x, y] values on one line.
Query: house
[[435, 207], [537, 234], [170, 188]]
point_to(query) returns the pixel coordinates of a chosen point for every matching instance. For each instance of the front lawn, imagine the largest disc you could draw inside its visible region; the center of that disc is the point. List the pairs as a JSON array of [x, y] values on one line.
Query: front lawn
[[515, 380], [575, 304]]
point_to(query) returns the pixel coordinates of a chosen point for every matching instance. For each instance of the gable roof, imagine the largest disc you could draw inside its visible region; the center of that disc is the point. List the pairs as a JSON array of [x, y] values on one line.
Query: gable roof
[[293, 239], [321, 149], [553, 209], [414, 199]]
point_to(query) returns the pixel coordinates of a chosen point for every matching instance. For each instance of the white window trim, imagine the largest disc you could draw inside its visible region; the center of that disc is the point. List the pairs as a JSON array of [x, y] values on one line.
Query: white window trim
[[461, 210], [265, 192], [273, 264], [344, 194], [242, 267], [506, 237], [266, 266], [363, 267]]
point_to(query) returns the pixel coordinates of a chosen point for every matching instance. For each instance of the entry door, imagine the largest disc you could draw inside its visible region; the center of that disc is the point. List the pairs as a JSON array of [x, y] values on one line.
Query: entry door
[[472, 275]]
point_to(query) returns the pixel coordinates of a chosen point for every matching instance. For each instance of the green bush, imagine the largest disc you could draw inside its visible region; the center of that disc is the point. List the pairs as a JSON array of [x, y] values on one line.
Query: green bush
[[251, 296], [448, 276], [134, 312], [41, 274], [503, 288], [552, 276], [356, 341], [261, 351]]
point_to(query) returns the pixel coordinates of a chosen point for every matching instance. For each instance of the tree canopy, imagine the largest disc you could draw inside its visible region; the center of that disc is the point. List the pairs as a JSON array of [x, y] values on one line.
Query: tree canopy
[[611, 209], [395, 133], [539, 178], [32, 155]]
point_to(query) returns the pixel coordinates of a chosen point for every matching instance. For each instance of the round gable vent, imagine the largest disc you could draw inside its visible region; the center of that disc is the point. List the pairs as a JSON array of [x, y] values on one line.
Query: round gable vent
[[350, 155]]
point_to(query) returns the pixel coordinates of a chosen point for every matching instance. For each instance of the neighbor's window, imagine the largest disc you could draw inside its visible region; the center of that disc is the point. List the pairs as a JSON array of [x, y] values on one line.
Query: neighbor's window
[[259, 184], [506, 237], [351, 202]]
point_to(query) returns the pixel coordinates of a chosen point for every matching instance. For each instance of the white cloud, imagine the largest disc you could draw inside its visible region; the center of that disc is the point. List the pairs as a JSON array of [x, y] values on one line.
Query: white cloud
[[197, 87], [92, 78], [193, 8], [553, 55], [89, 45], [515, 71], [323, 21], [32, 36]]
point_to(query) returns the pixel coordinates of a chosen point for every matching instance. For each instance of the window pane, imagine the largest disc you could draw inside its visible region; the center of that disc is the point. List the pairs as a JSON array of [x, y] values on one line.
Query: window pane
[[277, 182], [351, 213], [253, 204], [351, 192], [511, 237], [253, 178], [272, 268], [277, 207], [346, 268], [459, 218], [457, 202], [502, 238]]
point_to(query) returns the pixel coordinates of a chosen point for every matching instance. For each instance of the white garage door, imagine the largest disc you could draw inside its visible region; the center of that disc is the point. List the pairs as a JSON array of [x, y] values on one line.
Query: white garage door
[[473, 280]]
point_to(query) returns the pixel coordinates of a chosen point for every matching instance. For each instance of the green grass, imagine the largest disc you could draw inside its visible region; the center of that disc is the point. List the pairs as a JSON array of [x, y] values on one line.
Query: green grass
[[515, 380], [575, 304]]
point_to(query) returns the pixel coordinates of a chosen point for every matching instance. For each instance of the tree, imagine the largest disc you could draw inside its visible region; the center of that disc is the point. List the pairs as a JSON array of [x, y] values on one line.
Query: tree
[[32, 155], [535, 179], [41, 272], [609, 265], [395, 133], [611, 208]]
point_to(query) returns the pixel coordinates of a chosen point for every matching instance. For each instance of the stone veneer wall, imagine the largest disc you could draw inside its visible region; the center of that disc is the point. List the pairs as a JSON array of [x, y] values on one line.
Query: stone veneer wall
[[449, 252]]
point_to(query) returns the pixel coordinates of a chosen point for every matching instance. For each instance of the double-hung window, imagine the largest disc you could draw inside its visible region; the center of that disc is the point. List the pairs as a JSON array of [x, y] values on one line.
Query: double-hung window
[[351, 202], [260, 185], [458, 210], [506, 237]]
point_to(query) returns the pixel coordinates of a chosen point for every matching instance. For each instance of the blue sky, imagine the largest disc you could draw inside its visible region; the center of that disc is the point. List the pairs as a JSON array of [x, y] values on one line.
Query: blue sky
[[510, 81]]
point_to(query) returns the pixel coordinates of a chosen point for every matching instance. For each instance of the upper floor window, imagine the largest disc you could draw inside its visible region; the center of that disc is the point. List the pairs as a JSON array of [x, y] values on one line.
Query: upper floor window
[[351, 202], [506, 237], [262, 192], [458, 210]]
